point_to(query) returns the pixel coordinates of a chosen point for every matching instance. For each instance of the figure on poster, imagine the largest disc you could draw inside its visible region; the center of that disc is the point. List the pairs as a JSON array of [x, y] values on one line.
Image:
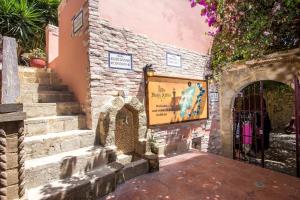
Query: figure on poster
[[186, 99]]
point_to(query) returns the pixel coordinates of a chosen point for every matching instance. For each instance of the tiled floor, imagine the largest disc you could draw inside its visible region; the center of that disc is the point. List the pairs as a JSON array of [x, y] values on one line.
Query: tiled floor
[[201, 176]]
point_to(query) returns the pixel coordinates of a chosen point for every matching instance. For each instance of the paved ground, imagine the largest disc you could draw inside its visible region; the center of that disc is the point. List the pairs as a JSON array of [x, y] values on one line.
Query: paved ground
[[200, 176]]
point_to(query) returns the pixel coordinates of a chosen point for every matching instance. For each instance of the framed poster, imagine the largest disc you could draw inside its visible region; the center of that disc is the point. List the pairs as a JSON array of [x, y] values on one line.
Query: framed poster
[[77, 22], [119, 60], [174, 100], [173, 60]]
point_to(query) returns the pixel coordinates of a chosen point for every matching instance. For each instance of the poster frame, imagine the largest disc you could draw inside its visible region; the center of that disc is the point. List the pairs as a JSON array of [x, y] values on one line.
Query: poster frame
[[172, 123], [120, 53], [167, 63]]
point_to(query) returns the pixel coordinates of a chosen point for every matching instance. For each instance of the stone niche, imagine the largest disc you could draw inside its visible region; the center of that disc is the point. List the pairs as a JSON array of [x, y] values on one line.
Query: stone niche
[[122, 126], [126, 133]]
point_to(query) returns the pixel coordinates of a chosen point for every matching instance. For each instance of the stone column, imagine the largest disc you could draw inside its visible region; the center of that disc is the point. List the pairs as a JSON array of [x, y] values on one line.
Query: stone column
[[12, 154]]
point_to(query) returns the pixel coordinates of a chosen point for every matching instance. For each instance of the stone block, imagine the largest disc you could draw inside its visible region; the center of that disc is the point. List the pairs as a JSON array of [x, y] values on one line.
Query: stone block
[[12, 160], [12, 176], [135, 169], [103, 182], [12, 192], [153, 161], [35, 129], [63, 165], [70, 144], [12, 143], [71, 124], [87, 140], [39, 110], [140, 147]]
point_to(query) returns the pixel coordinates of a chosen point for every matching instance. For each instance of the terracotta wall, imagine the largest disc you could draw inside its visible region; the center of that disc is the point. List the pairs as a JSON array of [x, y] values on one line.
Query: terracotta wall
[[52, 48], [72, 63], [171, 22]]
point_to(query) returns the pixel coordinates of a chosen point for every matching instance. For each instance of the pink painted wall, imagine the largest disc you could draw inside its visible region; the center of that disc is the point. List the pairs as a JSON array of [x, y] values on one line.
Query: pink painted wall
[[171, 22], [52, 48], [73, 59]]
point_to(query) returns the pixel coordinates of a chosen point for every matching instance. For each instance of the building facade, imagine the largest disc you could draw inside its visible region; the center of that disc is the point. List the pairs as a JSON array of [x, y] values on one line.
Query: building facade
[[90, 30]]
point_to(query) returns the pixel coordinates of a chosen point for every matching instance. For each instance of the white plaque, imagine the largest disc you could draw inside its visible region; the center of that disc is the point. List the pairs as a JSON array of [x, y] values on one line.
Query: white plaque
[[173, 60], [120, 60], [78, 22], [214, 97]]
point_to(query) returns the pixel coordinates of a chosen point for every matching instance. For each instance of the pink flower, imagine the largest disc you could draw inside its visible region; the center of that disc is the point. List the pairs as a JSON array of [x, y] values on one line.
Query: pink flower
[[219, 29], [276, 7], [266, 33]]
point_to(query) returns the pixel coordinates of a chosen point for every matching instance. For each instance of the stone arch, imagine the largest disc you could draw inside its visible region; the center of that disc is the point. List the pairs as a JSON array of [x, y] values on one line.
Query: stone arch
[[108, 122], [280, 67]]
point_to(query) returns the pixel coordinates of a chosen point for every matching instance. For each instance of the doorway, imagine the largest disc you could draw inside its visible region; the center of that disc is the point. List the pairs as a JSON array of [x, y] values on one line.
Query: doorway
[[264, 128]]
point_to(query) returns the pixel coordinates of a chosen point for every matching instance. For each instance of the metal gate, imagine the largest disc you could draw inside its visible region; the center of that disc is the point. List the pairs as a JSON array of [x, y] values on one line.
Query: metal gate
[[297, 122], [249, 116], [250, 125]]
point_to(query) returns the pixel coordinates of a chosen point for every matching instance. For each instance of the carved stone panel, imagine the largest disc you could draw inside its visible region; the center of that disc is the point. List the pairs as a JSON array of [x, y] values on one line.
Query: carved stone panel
[[126, 133]]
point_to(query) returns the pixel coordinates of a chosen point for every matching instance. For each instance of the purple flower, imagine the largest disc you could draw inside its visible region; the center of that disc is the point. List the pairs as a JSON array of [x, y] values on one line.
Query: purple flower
[[213, 7], [193, 3], [211, 20]]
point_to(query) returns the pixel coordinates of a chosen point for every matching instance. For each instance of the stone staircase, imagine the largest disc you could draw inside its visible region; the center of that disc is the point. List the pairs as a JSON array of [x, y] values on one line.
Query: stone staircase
[[60, 150], [281, 156]]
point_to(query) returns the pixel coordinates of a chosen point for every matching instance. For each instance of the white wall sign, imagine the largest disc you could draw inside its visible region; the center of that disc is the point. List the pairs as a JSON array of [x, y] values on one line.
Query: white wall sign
[[120, 60], [214, 96], [78, 22], [173, 60]]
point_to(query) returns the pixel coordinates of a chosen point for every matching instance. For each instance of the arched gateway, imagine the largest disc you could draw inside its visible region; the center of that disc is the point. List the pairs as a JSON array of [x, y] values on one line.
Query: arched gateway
[[280, 67]]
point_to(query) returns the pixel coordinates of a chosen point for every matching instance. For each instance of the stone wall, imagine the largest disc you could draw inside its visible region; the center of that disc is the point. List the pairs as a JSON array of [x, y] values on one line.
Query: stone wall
[[105, 82], [280, 106], [281, 156]]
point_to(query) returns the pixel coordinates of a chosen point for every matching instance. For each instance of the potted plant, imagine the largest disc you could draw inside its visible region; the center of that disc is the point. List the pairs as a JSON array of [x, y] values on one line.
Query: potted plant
[[37, 58]]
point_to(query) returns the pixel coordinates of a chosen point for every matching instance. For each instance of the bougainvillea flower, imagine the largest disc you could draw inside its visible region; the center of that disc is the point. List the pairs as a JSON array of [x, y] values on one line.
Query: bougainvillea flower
[[193, 3]]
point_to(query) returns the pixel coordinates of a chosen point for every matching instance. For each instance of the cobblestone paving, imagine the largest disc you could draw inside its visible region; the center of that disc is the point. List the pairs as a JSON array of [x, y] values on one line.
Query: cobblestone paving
[[197, 176]]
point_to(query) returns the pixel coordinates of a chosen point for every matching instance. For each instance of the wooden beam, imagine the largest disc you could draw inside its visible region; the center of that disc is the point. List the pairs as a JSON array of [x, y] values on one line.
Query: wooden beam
[[15, 116], [10, 74], [7, 108]]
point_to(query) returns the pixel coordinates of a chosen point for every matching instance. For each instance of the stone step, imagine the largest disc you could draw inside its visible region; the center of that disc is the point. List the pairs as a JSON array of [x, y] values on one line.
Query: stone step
[[47, 97], [51, 109], [55, 143], [36, 87], [35, 75], [124, 159], [35, 69], [55, 96], [91, 185], [43, 170], [53, 124]]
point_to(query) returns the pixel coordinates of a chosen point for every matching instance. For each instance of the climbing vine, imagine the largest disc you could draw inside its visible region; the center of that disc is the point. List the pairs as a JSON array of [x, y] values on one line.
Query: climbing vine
[[249, 29]]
